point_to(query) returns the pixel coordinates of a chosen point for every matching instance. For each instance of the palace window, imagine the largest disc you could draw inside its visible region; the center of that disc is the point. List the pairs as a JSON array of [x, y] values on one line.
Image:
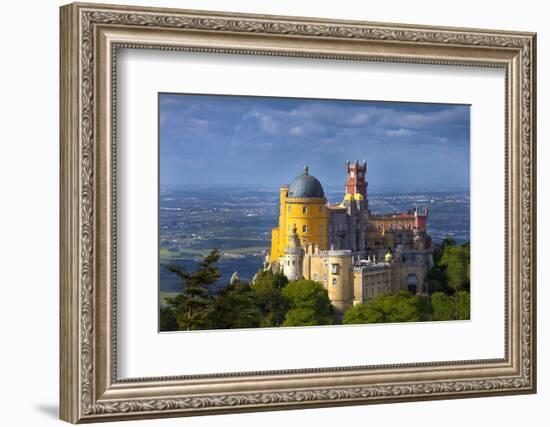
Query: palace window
[[334, 269], [320, 209], [304, 228], [304, 209], [290, 209], [334, 282]]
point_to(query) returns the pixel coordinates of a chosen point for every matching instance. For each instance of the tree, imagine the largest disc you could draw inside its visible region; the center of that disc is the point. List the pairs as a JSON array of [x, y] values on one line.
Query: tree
[[266, 278], [235, 307], [464, 305], [399, 307], [436, 275], [309, 303], [364, 313], [444, 306], [301, 317], [168, 321], [269, 297], [448, 241], [451, 270], [192, 304], [456, 260]]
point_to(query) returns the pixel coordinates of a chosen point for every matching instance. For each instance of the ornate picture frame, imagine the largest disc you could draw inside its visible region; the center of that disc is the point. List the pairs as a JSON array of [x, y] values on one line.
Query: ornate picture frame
[[90, 37]]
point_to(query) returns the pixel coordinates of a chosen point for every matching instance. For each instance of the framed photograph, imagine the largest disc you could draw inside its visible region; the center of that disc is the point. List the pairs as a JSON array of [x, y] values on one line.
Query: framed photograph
[[267, 212]]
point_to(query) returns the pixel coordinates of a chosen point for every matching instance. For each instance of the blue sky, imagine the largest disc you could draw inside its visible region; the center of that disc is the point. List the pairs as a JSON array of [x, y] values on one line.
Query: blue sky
[[231, 141]]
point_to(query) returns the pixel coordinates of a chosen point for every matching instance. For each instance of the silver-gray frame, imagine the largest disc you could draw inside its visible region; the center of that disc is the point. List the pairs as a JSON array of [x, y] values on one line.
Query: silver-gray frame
[[90, 37]]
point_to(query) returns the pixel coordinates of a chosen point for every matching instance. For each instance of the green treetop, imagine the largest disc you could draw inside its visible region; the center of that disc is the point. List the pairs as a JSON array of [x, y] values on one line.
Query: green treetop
[[235, 307], [269, 297], [191, 306], [309, 304], [400, 307]]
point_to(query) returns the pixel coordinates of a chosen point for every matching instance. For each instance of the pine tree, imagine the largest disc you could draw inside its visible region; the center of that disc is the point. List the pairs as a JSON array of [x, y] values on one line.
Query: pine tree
[[192, 304]]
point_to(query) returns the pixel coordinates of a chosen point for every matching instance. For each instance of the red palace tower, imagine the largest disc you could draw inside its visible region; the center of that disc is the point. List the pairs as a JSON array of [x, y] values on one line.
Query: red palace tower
[[356, 183]]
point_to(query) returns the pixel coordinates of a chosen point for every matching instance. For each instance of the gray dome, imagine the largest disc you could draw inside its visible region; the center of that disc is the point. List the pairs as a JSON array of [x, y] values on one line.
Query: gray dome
[[305, 186]]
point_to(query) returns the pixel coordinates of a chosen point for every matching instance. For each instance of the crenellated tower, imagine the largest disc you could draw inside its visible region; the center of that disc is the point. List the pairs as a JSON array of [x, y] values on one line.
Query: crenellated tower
[[356, 183]]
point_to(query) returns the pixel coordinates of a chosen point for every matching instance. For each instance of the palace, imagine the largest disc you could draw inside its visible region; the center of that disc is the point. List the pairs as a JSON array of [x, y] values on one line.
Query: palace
[[355, 254]]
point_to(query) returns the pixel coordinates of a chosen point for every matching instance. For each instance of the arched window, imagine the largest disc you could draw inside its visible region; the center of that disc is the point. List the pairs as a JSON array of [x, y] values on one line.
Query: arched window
[[304, 228], [334, 281], [304, 209]]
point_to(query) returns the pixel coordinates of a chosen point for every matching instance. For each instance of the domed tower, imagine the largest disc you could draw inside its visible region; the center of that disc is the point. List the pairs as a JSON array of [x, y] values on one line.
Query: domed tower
[[294, 257], [306, 208]]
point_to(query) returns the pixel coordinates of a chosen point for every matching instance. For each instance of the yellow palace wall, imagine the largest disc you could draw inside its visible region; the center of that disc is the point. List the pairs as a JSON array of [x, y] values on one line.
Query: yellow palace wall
[[311, 218]]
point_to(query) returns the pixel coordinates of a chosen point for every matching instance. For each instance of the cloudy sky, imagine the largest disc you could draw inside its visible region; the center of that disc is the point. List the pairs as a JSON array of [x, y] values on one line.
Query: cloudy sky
[[208, 140]]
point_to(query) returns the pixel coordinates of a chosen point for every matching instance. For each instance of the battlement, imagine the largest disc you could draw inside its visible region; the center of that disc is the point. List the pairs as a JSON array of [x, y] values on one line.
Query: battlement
[[410, 214], [371, 267], [293, 251], [331, 253], [411, 219]]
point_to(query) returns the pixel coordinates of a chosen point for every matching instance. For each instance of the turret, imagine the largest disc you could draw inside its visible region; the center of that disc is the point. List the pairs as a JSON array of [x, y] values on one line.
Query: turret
[[340, 278], [294, 256]]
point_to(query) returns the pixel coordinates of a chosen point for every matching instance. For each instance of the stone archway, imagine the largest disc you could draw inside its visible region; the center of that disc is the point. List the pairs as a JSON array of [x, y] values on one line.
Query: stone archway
[[412, 283]]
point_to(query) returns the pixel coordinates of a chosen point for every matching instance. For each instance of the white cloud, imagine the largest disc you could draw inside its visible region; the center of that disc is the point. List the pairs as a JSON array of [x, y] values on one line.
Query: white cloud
[[199, 123], [399, 132], [359, 119], [436, 118], [265, 122], [296, 130]]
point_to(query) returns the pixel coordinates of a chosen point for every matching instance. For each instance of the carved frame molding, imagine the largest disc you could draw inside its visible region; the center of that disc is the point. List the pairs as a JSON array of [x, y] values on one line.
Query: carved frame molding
[[90, 37]]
